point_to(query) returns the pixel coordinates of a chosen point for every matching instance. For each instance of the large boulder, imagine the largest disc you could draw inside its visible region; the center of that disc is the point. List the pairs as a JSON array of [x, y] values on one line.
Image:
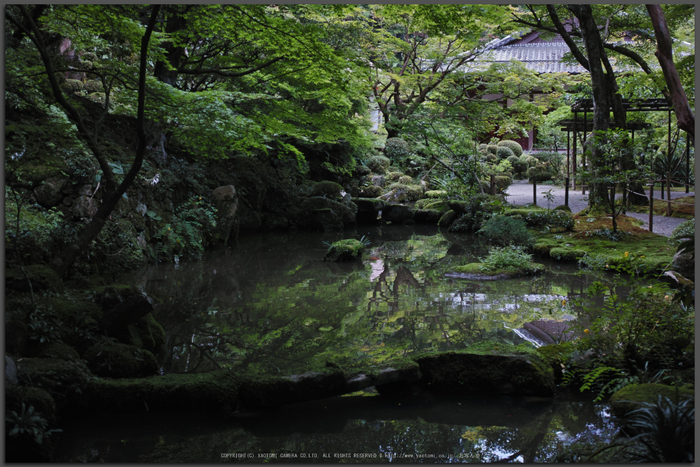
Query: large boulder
[[397, 213], [634, 396], [464, 373], [368, 210], [225, 200], [118, 318], [64, 380], [320, 213], [49, 194], [427, 216], [83, 207]]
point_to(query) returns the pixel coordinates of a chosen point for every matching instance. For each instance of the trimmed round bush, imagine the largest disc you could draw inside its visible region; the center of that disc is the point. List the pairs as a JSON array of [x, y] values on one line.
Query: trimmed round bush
[[492, 148], [513, 146], [483, 147], [396, 149], [504, 152], [502, 182], [539, 173], [378, 164], [529, 160], [491, 158], [504, 231]]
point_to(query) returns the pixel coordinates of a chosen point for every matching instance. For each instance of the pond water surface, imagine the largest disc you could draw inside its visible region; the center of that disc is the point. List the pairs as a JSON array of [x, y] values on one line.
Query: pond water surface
[[272, 305]]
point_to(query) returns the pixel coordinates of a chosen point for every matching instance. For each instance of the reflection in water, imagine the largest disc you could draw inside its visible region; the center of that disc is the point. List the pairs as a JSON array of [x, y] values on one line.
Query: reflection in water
[[417, 429], [272, 305]]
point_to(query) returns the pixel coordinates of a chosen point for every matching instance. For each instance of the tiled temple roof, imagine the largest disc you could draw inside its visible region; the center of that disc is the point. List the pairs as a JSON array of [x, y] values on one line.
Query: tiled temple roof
[[542, 57]]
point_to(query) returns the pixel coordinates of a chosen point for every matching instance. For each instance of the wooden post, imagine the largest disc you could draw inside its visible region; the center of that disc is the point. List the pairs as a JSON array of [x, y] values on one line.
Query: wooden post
[[493, 184], [687, 163], [534, 191], [566, 192], [573, 165], [651, 207], [668, 193]]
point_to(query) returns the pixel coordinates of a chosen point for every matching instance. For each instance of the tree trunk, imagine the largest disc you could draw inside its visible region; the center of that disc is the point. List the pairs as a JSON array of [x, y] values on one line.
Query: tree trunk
[[664, 53], [598, 197]]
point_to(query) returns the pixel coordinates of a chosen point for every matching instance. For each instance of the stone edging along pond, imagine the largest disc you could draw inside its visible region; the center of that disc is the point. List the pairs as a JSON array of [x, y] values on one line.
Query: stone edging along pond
[[457, 373]]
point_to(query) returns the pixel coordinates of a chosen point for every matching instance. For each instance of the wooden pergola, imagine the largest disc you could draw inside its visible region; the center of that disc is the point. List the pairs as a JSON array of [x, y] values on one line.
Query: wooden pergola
[[630, 105]]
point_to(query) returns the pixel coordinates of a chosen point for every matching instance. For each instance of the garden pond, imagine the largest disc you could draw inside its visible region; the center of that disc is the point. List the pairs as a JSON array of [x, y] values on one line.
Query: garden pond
[[271, 305]]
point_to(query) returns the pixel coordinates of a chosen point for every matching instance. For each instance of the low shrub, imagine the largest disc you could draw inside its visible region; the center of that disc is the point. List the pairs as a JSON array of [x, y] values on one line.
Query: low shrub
[[492, 148], [504, 231], [507, 258]]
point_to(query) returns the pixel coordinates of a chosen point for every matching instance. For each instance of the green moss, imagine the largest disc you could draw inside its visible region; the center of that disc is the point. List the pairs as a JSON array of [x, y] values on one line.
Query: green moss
[[215, 391], [476, 268], [566, 254], [633, 396], [393, 176], [447, 219], [469, 373], [435, 204], [492, 347], [435, 194], [345, 250], [327, 188], [146, 333]]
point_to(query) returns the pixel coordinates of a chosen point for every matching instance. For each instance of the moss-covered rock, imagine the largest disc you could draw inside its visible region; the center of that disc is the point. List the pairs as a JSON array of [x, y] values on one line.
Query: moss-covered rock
[[59, 350], [215, 391], [633, 396], [371, 191], [447, 219], [265, 391], [368, 210], [467, 373], [397, 213], [475, 271], [345, 250], [147, 333], [120, 361], [326, 214], [328, 189], [435, 194], [427, 216]]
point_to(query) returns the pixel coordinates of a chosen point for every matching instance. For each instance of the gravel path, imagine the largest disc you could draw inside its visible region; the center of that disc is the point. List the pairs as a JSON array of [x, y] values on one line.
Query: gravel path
[[520, 193]]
